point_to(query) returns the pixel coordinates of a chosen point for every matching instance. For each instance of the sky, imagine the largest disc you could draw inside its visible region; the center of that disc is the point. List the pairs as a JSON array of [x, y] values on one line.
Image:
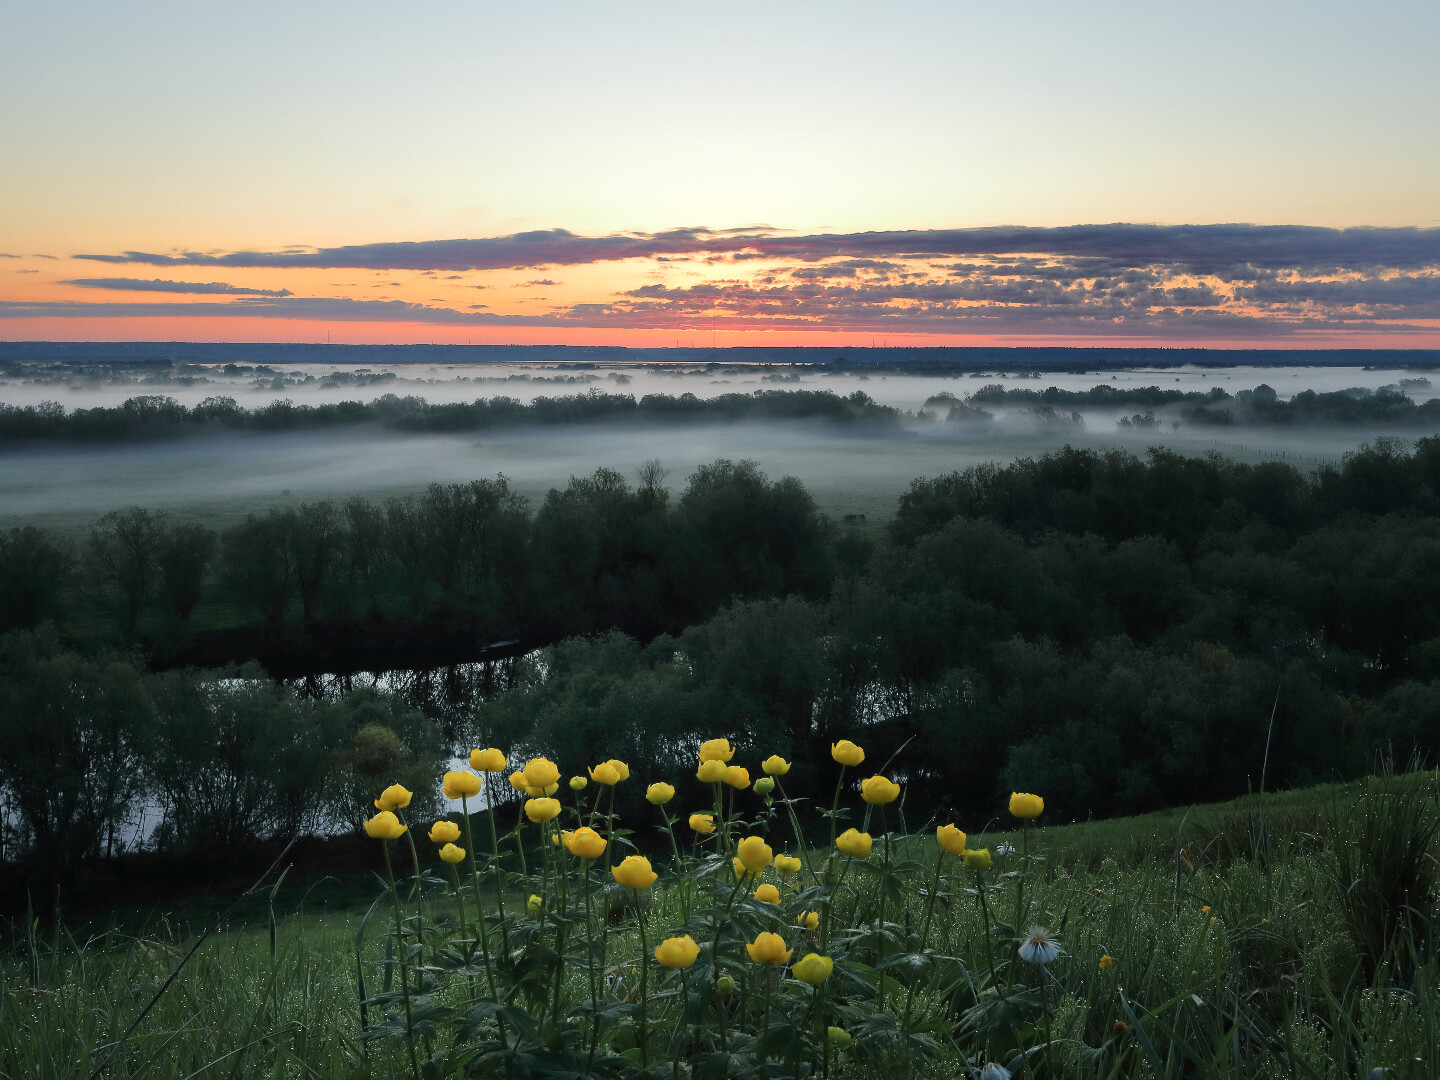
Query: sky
[[1229, 174]]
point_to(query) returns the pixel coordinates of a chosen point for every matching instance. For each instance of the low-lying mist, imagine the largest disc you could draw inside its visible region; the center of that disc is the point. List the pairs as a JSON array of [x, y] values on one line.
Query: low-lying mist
[[218, 479]]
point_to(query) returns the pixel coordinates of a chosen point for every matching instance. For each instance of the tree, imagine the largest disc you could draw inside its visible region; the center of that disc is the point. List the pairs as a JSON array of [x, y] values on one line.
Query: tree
[[34, 567], [258, 564], [124, 553], [184, 556], [71, 733]]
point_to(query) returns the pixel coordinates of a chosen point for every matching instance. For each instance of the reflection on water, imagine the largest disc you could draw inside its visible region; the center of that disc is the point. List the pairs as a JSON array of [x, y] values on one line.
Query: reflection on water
[[447, 695]]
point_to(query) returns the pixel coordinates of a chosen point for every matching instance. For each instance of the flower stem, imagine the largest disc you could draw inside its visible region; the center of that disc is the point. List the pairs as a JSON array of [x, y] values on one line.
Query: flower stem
[[404, 962], [644, 972]]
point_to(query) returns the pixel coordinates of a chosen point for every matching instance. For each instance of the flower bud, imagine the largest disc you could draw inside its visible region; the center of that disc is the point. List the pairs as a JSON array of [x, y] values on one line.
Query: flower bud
[[765, 785], [725, 986], [838, 1037]]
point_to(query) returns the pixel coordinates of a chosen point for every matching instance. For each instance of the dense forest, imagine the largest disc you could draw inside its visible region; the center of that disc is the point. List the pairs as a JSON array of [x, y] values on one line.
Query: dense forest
[[1120, 632]]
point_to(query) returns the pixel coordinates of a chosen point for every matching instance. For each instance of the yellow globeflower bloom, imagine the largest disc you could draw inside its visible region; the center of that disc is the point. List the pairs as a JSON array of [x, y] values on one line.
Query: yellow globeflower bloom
[[716, 750], [754, 853], [605, 773], [541, 773], [978, 860], [394, 797], [703, 823], [584, 842], [767, 894], [1106, 961], [452, 854], [743, 872], [444, 832], [538, 810], [1026, 806], [775, 765], [660, 793], [677, 952], [737, 777], [814, 969], [460, 785], [711, 771], [854, 843], [787, 865], [490, 760], [878, 790], [384, 826], [621, 769], [809, 919], [951, 839], [534, 905], [577, 783], [847, 753], [769, 948], [635, 873], [519, 783]]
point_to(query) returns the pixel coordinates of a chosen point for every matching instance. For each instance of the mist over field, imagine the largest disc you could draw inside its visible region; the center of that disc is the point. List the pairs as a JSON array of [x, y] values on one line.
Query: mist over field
[[217, 479]]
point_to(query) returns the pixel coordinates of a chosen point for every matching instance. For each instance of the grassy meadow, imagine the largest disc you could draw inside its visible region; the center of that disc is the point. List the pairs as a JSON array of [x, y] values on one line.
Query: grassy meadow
[[1285, 935]]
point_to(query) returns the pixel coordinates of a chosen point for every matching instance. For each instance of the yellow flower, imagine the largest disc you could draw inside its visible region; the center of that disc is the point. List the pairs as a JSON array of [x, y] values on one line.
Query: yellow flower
[[814, 969], [538, 810], [534, 905], [1106, 961], [519, 783], [1026, 806], [951, 839], [460, 785], [775, 765], [659, 794], [384, 826], [703, 823], [621, 769], [754, 853], [809, 919], [541, 773], [548, 789], [716, 750], [711, 771], [853, 843], [677, 952], [452, 854], [584, 842], [444, 832], [393, 797], [877, 791], [743, 872], [563, 838], [635, 873], [737, 777], [978, 860], [767, 894], [605, 773], [769, 949], [847, 753], [577, 783], [491, 760], [1205, 909], [786, 865], [839, 1036]]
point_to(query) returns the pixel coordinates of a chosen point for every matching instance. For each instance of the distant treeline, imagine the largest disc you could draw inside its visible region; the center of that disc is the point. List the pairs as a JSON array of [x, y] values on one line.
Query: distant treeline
[[1389, 405], [157, 417], [470, 561], [1119, 633]]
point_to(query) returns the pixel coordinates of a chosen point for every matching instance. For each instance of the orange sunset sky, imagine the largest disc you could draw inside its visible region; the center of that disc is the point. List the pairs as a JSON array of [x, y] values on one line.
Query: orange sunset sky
[[657, 174]]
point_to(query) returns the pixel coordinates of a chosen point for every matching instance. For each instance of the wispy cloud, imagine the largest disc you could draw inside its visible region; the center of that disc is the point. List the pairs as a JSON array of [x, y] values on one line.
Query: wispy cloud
[[317, 308], [124, 284]]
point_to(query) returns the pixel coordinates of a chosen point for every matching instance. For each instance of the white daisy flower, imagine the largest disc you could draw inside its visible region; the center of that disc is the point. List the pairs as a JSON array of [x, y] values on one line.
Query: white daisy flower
[[1039, 948], [1005, 849]]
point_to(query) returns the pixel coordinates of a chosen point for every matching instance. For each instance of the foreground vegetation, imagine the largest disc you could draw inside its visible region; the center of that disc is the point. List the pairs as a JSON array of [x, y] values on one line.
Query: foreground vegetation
[[1284, 936]]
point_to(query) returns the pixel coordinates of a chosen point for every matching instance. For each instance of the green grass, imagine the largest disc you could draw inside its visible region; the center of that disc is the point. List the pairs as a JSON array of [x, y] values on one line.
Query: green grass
[[1304, 965]]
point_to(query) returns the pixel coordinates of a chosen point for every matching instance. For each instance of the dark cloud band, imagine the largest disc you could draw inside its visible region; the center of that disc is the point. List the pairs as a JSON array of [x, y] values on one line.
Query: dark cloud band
[[1199, 249]]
